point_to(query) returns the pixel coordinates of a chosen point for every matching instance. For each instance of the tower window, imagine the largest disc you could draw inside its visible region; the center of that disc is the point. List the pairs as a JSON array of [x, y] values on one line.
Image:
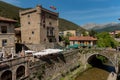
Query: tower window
[[28, 15], [4, 29], [4, 42], [29, 38], [43, 25], [28, 22], [32, 32], [49, 16], [50, 23]]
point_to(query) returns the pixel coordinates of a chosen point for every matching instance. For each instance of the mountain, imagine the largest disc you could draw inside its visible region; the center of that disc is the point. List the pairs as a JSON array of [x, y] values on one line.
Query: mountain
[[93, 26], [103, 27], [11, 11], [109, 27], [68, 25]]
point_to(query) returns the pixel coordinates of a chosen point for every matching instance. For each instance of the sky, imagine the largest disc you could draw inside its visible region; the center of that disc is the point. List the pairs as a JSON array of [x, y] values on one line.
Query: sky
[[80, 12]]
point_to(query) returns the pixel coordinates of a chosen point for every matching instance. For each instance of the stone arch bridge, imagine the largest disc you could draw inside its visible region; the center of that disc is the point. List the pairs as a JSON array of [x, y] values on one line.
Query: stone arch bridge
[[112, 55], [18, 68], [14, 69]]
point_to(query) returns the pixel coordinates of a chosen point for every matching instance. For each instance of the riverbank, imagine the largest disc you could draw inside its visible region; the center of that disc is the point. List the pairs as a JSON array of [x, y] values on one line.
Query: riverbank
[[73, 74], [93, 74]]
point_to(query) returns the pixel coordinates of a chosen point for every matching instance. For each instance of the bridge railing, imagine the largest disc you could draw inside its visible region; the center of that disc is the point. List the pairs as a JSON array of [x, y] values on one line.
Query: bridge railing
[[11, 62]]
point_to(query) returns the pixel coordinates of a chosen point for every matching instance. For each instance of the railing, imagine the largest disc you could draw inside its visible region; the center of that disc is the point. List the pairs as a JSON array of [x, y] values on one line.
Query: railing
[[12, 62]]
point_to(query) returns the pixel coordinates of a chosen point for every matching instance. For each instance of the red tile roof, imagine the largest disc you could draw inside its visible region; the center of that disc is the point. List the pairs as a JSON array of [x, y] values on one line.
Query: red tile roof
[[82, 38], [7, 19]]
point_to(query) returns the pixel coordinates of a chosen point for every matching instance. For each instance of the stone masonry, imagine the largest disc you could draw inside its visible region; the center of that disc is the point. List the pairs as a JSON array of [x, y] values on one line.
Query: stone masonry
[[39, 25]]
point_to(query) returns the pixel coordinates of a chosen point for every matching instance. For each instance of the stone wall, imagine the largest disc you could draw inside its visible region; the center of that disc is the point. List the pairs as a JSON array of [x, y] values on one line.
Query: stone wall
[[8, 36], [39, 47], [35, 23], [53, 67], [42, 46]]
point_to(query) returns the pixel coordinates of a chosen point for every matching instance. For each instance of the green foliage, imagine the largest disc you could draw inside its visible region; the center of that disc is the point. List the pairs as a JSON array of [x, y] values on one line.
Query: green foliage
[[67, 42], [69, 34], [102, 58], [8, 10], [61, 38], [105, 40], [41, 72], [84, 33], [92, 33], [67, 25], [117, 35]]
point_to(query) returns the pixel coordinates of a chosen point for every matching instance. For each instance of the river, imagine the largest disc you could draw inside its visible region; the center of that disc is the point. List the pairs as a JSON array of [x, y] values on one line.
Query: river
[[93, 74], [99, 71]]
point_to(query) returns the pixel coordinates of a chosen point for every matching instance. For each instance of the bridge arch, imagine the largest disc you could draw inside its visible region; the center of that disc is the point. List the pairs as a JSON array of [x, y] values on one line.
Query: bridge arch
[[94, 55], [6, 75], [95, 62], [20, 72]]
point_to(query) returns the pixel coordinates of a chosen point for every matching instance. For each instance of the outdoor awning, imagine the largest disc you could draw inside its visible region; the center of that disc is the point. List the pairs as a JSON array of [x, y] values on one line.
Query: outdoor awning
[[47, 52]]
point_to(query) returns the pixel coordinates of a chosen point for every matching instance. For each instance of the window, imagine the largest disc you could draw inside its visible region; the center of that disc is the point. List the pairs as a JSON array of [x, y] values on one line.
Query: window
[[43, 21], [3, 29], [28, 16], [50, 23], [50, 31], [32, 32], [43, 25], [29, 38], [50, 40], [28, 22], [4, 42], [49, 16]]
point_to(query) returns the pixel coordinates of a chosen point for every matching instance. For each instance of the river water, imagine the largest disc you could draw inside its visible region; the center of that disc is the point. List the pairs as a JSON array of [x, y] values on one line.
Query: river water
[[93, 74], [99, 71]]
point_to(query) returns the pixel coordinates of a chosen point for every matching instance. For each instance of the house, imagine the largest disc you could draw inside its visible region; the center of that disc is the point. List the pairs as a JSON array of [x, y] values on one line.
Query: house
[[7, 35], [69, 32], [116, 35], [39, 25], [83, 41]]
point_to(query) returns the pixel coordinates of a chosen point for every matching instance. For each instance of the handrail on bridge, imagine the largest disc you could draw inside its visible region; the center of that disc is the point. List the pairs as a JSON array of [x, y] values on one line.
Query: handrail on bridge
[[13, 61]]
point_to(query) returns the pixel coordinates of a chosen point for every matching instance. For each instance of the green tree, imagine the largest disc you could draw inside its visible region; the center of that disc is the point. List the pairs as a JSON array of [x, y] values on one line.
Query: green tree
[[105, 40], [69, 34], [85, 33], [118, 35], [66, 40], [102, 58], [92, 33]]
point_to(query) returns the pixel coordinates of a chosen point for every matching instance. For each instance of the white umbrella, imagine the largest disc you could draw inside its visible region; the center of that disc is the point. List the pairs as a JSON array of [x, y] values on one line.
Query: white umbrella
[[29, 51]]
